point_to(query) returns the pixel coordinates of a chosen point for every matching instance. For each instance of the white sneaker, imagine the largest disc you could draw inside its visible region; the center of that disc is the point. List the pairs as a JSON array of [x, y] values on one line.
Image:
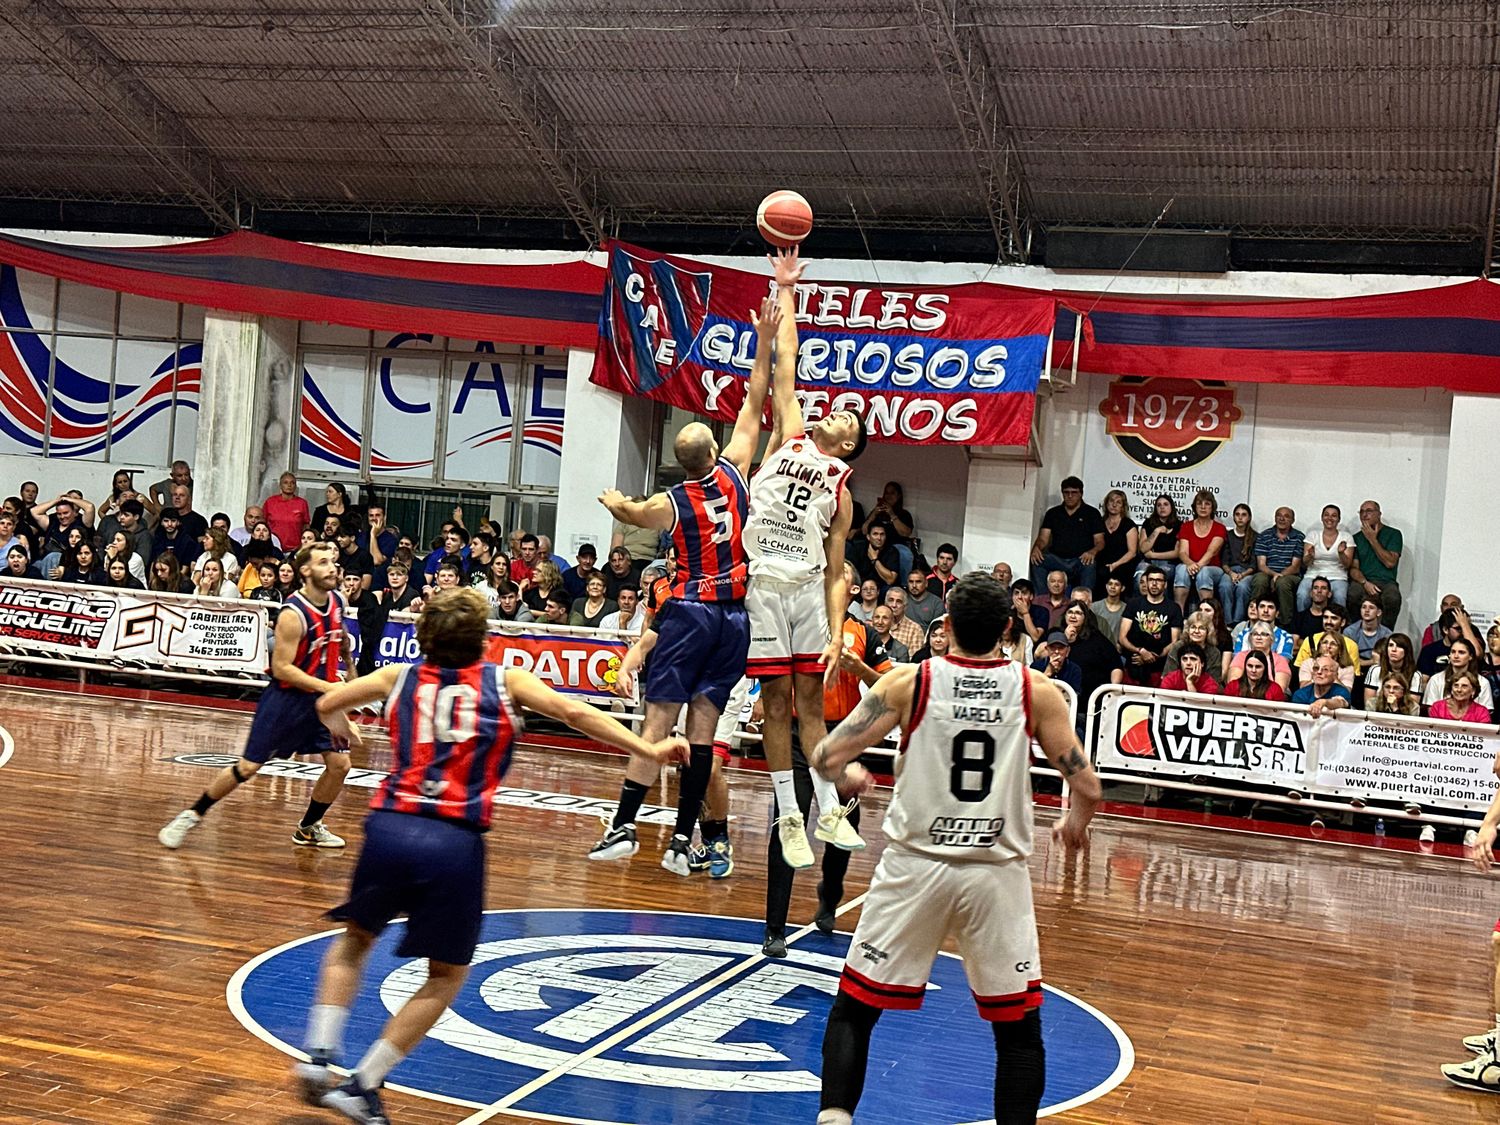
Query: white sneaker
[[1480, 1044], [177, 829], [834, 828], [1480, 1073], [794, 846], [316, 836], [1428, 834]]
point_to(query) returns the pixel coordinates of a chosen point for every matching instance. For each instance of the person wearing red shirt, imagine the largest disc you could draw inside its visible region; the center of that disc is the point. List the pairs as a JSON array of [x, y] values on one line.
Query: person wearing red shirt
[[287, 514], [1190, 674], [1257, 681], [523, 567], [1199, 541]]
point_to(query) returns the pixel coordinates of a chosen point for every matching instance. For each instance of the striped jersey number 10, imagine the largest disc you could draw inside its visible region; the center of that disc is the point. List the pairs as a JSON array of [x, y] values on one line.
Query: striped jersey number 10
[[449, 714]]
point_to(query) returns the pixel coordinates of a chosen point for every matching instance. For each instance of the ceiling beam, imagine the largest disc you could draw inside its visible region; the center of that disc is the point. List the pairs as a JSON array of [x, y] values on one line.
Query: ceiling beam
[[59, 36], [974, 96], [489, 56]]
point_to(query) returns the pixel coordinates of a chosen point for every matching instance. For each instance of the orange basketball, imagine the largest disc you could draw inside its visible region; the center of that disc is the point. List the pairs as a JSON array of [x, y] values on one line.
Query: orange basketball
[[784, 218]]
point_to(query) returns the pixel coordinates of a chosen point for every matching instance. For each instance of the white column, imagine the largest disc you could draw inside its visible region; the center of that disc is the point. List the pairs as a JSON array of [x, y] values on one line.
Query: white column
[[227, 441], [1000, 515], [1464, 536], [606, 439]]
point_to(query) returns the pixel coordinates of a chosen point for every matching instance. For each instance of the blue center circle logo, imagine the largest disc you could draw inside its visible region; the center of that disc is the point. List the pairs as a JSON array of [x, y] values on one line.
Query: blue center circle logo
[[625, 1016]]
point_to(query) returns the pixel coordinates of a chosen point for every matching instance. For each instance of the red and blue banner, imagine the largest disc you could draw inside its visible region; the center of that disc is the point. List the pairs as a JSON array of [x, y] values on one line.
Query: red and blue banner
[[953, 364]]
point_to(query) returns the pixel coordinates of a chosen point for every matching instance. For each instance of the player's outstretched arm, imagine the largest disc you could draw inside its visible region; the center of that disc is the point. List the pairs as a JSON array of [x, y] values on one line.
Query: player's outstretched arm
[[886, 705], [630, 663], [741, 448], [835, 585], [335, 704], [529, 692], [653, 512], [786, 411], [1053, 728]]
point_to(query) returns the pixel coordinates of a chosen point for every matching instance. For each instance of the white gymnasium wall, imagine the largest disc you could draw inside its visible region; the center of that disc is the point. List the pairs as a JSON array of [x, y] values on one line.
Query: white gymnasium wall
[[56, 474], [935, 478], [1321, 445]]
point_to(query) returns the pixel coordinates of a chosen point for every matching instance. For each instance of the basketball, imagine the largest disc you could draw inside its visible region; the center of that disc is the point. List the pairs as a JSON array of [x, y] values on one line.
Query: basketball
[[784, 218]]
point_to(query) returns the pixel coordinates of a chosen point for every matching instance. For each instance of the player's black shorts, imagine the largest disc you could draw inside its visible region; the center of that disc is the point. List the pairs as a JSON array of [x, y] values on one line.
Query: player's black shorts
[[286, 723], [432, 871]]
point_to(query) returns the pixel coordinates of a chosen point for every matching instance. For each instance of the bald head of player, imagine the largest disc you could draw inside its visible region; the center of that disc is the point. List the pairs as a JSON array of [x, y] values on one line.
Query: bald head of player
[[978, 611], [696, 449]]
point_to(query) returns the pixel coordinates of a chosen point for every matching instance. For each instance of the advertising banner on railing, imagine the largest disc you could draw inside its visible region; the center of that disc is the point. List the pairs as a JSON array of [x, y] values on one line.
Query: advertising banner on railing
[[1343, 753], [93, 624], [956, 364]]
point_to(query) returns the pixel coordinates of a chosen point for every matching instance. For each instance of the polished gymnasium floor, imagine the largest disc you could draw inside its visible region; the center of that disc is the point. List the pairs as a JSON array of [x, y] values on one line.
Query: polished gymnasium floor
[[1257, 978]]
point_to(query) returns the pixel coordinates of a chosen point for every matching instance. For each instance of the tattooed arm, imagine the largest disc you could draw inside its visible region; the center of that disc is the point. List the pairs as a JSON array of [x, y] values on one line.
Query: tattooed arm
[[1052, 726], [887, 704]]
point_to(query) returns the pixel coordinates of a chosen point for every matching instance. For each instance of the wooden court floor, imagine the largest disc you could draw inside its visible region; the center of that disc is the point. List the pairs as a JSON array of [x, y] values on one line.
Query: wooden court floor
[[1259, 979]]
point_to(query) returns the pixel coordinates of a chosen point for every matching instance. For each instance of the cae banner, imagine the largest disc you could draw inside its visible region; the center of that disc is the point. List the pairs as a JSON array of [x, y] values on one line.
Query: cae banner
[[955, 364]]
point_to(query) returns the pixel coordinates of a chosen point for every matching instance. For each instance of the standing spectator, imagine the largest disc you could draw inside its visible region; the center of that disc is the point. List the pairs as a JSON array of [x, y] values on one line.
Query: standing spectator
[[523, 568], [193, 523], [1238, 562], [869, 597], [1199, 542], [623, 570], [1255, 682], [942, 579], [1377, 555], [890, 513], [922, 605], [1459, 703], [1109, 611], [1278, 559], [213, 582], [160, 493], [1326, 554], [903, 628], [1393, 697], [1369, 632], [166, 575], [1158, 537], [594, 606], [1053, 662], [1070, 538], [287, 513], [576, 578], [1191, 673], [1397, 657], [380, 541], [1150, 625], [880, 621], [875, 558], [336, 503], [1121, 541], [170, 537], [1324, 693], [639, 543]]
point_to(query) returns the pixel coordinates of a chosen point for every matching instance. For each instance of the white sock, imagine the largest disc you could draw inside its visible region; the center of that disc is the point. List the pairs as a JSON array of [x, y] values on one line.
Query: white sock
[[834, 1117], [827, 795], [379, 1060], [325, 1028], [786, 791]]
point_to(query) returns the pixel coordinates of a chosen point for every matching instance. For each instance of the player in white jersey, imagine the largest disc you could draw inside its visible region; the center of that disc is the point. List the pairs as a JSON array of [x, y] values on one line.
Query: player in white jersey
[[960, 832], [800, 512]]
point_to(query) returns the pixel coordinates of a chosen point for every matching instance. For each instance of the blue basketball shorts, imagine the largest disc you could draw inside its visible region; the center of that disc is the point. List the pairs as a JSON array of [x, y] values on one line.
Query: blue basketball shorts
[[701, 649], [286, 723]]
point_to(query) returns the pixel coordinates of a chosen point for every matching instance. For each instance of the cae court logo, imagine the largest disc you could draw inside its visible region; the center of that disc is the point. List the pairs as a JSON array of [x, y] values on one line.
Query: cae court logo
[[660, 308], [1169, 425], [630, 1016]]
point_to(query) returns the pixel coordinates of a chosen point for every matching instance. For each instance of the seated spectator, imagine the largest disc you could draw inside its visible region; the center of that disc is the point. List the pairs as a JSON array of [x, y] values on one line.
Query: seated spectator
[[329, 531], [1368, 633], [1109, 611], [1459, 703], [1033, 618], [59, 514], [167, 577], [869, 598], [287, 513], [484, 550], [353, 559], [936, 643], [121, 546], [922, 605], [1394, 658], [1462, 657], [364, 605], [1255, 679], [400, 595], [310, 538], [1262, 639], [260, 547], [640, 543], [129, 517], [873, 557], [449, 576], [591, 609], [510, 607], [214, 544], [942, 579], [890, 513], [1121, 551], [1190, 674], [1069, 540], [1002, 574], [576, 578], [1150, 625], [1158, 538], [544, 551], [380, 541], [1098, 660], [1197, 629], [122, 488], [1015, 642], [1330, 645], [8, 536], [1377, 556], [455, 542], [1054, 599], [1324, 693], [55, 562], [336, 505], [1435, 630], [492, 579], [171, 537], [1263, 609], [81, 566], [1434, 656], [903, 628], [192, 522], [212, 582], [1393, 697], [1199, 543], [623, 570], [1309, 619], [254, 514], [287, 580], [18, 564], [1278, 564], [545, 579], [557, 606], [880, 622], [117, 576], [1053, 661], [630, 617], [1081, 595], [1326, 553], [264, 589], [523, 567], [1334, 622], [1490, 665], [160, 493], [1218, 631]]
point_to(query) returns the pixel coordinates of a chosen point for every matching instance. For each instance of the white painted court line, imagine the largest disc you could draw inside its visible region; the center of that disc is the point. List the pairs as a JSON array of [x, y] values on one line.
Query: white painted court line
[[7, 746], [541, 1080]]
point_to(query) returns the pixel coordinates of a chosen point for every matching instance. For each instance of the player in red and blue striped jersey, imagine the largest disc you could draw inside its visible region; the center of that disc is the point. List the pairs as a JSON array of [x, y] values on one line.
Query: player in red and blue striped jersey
[[453, 722], [310, 646], [703, 630]]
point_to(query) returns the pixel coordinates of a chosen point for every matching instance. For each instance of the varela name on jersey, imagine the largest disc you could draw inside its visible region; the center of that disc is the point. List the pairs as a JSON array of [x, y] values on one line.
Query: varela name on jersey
[[794, 496], [963, 777]]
